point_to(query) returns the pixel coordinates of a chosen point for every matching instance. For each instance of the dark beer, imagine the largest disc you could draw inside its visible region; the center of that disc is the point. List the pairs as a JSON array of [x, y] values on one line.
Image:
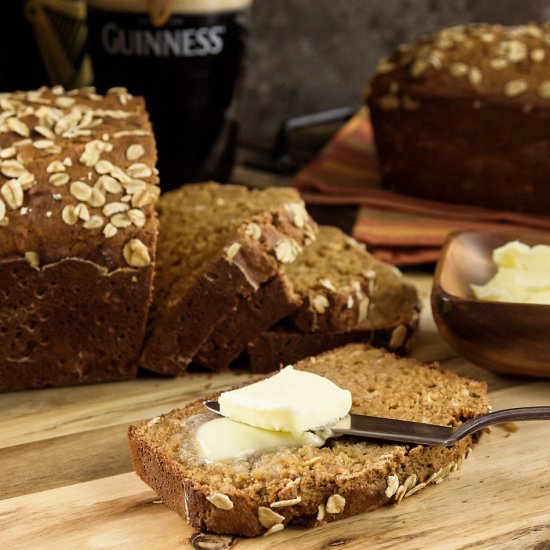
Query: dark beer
[[185, 57]]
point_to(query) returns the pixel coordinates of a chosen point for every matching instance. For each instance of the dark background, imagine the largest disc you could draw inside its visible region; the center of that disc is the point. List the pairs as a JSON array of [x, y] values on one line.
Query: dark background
[[308, 55]]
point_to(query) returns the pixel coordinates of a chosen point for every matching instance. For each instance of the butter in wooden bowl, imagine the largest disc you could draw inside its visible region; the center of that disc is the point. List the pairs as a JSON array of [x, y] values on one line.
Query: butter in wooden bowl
[[523, 275], [490, 300]]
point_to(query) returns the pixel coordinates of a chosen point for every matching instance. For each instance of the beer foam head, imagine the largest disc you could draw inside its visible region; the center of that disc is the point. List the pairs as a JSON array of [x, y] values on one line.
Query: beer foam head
[[174, 6]]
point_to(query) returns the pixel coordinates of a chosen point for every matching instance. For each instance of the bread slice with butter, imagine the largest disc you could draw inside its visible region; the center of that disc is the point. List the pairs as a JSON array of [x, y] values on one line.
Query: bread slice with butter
[[306, 485]]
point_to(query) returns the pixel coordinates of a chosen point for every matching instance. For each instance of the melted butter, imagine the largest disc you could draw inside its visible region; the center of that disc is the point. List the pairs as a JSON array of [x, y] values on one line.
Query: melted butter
[[523, 275], [225, 440]]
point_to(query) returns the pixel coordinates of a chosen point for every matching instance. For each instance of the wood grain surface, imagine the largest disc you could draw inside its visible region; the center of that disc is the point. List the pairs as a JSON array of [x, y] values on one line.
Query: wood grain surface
[[66, 479]]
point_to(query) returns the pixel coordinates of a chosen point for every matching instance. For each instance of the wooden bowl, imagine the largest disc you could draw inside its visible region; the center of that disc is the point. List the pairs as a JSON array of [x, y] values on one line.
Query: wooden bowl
[[504, 337]]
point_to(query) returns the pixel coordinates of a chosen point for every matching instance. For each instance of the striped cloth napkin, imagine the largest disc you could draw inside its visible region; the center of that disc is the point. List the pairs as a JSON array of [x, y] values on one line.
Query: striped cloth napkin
[[397, 228]]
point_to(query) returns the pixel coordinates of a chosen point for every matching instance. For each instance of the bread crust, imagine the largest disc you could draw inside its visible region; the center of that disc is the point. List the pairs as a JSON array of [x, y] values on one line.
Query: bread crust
[[71, 322], [274, 300]]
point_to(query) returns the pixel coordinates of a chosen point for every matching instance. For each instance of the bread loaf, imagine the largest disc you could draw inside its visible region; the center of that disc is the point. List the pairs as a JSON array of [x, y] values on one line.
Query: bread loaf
[[218, 244], [305, 485], [460, 116], [77, 235]]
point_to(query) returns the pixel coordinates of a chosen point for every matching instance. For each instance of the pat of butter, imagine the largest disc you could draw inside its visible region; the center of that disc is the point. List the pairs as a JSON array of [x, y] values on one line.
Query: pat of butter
[[224, 440], [523, 275], [290, 401]]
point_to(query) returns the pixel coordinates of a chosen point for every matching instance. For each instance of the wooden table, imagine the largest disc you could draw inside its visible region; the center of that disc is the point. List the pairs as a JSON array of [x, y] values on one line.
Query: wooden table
[[66, 479]]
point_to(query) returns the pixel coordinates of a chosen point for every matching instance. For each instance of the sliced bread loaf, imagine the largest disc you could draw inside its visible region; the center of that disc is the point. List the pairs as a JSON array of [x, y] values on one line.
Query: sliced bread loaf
[[217, 245], [306, 485]]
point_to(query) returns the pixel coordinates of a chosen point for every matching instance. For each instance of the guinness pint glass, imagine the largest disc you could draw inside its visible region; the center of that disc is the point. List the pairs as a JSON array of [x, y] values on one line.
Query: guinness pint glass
[[185, 57]]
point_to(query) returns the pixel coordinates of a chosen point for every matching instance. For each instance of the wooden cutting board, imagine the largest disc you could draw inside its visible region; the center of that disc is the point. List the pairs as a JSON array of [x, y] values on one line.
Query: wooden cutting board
[[66, 479]]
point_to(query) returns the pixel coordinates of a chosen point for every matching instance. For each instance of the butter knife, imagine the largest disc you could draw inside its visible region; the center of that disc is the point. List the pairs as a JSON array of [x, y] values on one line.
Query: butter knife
[[419, 433]]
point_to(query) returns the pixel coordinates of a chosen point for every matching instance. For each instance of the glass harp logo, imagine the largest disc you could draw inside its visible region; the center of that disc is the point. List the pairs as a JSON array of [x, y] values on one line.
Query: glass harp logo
[[60, 31]]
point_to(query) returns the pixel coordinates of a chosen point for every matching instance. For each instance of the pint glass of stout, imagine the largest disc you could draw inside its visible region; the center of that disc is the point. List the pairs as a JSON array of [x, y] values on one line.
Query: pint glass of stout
[[185, 57]]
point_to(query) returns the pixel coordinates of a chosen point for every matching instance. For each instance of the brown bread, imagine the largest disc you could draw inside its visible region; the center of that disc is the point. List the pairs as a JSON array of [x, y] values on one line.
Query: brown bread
[[77, 235], [218, 244], [346, 296], [306, 485], [460, 116], [254, 315]]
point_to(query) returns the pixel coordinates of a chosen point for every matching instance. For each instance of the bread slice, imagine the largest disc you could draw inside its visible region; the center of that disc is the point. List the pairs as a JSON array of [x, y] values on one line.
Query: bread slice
[[347, 295], [336, 293], [311, 486], [343, 287], [217, 245], [254, 315]]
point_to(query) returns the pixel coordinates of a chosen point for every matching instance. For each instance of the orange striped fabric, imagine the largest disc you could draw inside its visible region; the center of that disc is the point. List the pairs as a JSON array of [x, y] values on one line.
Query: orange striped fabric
[[398, 228]]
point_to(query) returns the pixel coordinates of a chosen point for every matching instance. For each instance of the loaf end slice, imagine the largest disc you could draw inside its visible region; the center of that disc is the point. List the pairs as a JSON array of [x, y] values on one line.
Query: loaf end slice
[[310, 486]]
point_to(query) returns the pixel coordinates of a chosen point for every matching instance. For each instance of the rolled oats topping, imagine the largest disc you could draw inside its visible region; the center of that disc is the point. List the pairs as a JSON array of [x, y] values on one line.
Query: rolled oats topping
[[137, 217], [335, 504], [81, 210], [134, 152], [121, 221], [94, 222], [12, 168], [268, 518], [69, 215], [320, 303], [393, 485], [109, 230], [59, 178], [18, 126], [221, 501], [8, 152], [254, 231], [515, 87], [108, 184], [12, 193], [56, 166], [139, 170], [286, 503], [232, 250], [136, 253], [113, 208], [33, 258], [80, 190], [286, 250]]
